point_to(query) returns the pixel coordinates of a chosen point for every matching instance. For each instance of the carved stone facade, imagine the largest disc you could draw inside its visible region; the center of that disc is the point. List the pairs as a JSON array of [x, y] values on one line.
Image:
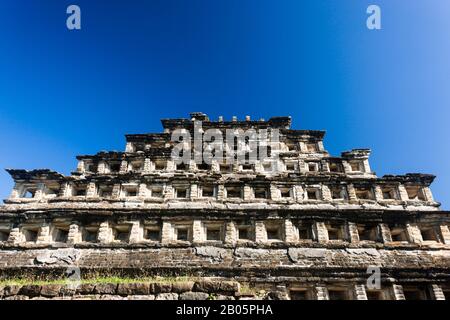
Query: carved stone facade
[[312, 227]]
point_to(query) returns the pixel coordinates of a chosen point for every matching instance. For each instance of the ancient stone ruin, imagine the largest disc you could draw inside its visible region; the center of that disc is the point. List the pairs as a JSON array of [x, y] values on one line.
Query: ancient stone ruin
[[301, 225]]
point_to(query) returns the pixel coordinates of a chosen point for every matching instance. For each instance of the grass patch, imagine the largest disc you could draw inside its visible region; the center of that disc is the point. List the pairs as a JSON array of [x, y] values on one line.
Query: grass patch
[[247, 290], [252, 291], [97, 280]]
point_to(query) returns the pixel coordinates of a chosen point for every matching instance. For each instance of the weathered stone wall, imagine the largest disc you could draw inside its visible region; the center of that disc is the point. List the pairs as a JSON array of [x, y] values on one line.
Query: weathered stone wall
[[188, 290], [239, 261], [304, 224], [213, 289]]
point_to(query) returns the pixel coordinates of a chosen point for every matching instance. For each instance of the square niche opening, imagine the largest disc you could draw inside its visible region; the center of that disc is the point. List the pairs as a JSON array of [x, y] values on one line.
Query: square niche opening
[[226, 168], [375, 295], [367, 232], [105, 192], [305, 231], [213, 233], [267, 167], [338, 294], [337, 193], [156, 192], [182, 167], [131, 192], [61, 234], [181, 193], [182, 233], [152, 233], [335, 231], [245, 232], [114, 167], [261, 193], [355, 166], [122, 233], [398, 234], [31, 234], [204, 166], [137, 166], [299, 294], [160, 165], [285, 193], [208, 191], [233, 192], [335, 167], [4, 235], [415, 193], [273, 232], [429, 234], [416, 293], [389, 193], [89, 234], [312, 147], [290, 166], [79, 191], [312, 194], [363, 193]]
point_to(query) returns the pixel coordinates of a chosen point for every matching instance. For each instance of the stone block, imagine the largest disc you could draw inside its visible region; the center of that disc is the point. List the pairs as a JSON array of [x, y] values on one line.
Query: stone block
[[320, 231], [353, 232], [85, 288], [351, 192], [194, 296], [10, 290], [321, 293], [67, 290], [44, 234], [414, 234], [198, 234], [179, 287], [260, 232], [51, 290], [207, 286], [326, 193], [445, 234], [167, 232], [231, 233], [30, 290], [427, 193], [211, 252], [158, 287], [290, 231], [105, 288], [125, 289], [74, 235], [385, 232], [167, 296], [136, 232], [104, 233]]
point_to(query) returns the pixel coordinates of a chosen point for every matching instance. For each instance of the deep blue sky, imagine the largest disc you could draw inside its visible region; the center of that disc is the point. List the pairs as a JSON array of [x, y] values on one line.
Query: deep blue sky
[[64, 93]]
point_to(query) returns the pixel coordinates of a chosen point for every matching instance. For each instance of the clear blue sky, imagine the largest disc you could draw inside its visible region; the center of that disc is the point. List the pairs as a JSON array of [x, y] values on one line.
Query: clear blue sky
[[64, 93]]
